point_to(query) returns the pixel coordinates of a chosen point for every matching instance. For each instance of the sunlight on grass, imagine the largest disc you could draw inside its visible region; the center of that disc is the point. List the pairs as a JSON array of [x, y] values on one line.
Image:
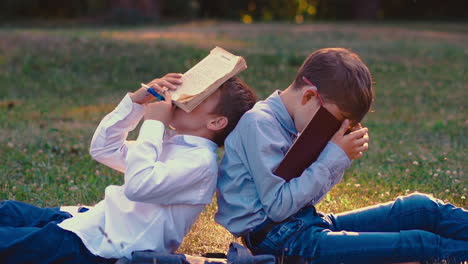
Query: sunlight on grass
[[88, 112], [206, 235], [56, 85], [205, 40]]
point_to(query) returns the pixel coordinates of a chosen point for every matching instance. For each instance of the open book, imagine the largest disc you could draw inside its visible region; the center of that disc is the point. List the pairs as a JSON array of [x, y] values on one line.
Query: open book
[[205, 77], [308, 145]]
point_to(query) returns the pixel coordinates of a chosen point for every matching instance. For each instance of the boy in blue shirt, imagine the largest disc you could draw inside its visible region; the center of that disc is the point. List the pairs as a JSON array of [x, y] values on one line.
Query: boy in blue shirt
[[169, 177], [278, 217]]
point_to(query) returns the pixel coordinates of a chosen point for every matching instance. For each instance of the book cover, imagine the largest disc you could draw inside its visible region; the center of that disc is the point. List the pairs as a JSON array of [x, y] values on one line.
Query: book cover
[[205, 77], [308, 145]]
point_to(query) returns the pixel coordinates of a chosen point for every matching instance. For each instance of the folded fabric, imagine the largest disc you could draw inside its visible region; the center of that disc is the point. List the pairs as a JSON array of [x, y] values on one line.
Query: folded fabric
[[150, 257], [237, 254]]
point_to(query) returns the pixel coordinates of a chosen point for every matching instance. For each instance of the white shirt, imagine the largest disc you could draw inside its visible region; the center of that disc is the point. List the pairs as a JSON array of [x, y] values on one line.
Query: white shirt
[[168, 182]]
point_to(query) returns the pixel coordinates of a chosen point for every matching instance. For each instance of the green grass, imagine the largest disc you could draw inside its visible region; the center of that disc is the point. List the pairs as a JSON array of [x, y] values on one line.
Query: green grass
[[56, 85]]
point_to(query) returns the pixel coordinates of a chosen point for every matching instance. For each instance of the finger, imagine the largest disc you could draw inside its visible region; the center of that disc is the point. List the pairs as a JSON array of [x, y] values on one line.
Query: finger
[[363, 148], [358, 133], [173, 80], [356, 127], [168, 84], [163, 83], [174, 75], [358, 155], [167, 97], [362, 140], [160, 96], [156, 87]]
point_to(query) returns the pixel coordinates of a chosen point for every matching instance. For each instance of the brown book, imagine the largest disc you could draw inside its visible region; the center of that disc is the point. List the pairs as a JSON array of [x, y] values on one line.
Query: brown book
[[205, 77], [308, 145]]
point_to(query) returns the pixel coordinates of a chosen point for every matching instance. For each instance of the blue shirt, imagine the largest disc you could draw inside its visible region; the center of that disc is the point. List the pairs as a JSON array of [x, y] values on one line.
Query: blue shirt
[[248, 192]]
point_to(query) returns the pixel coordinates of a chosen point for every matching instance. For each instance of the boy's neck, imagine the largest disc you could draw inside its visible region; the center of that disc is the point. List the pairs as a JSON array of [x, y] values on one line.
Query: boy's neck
[[290, 98], [199, 133]]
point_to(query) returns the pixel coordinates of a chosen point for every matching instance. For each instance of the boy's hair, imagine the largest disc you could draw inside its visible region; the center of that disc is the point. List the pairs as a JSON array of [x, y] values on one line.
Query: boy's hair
[[341, 78], [235, 99]]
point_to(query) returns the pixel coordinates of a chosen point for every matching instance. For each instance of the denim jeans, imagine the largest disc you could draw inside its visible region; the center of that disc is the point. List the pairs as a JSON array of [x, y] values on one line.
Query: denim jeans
[[29, 234], [411, 228]]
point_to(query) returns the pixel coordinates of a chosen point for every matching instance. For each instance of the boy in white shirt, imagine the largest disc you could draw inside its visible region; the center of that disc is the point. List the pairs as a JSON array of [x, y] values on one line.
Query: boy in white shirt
[[170, 176]]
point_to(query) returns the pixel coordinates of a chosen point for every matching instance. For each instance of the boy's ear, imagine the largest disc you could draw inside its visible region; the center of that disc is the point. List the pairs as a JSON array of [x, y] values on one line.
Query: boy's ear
[[217, 123], [307, 94]]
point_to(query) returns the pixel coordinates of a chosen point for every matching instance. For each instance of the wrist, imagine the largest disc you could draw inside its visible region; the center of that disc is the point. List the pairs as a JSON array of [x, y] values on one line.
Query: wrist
[[335, 157], [342, 147], [141, 96], [157, 117], [133, 98]]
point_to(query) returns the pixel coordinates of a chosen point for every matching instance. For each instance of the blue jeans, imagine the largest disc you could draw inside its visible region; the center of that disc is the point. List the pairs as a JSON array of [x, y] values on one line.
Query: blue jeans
[[412, 228], [29, 234]]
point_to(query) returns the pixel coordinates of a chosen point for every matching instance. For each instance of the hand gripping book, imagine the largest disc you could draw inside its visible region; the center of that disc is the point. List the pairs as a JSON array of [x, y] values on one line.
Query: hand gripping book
[[308, 145], [205, 77]]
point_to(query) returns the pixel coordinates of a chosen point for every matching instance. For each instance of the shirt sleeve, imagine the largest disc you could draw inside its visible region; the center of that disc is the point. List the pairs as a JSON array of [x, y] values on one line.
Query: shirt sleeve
[[281, 199], [180, 180], [109, 145]]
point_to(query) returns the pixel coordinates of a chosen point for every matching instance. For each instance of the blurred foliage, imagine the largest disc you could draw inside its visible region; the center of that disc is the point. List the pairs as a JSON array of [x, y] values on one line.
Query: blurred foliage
[[248, 11]]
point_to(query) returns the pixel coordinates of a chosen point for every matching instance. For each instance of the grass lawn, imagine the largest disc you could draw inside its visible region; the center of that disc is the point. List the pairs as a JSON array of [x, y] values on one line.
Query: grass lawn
[[57, 83]]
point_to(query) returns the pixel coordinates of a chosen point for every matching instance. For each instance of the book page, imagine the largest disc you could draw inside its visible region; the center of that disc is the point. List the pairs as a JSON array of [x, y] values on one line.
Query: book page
[[213, 67]]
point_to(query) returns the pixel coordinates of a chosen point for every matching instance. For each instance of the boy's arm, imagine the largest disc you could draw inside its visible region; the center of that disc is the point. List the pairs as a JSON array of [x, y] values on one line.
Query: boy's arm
[[281, 199], [184, 179], [109, 145]]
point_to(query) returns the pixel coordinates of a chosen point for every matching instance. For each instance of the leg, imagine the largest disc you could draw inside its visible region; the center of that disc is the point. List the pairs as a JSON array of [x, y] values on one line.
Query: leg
[[18, 214], [309, 235], [374, 247], [49, 244], [416, 211]]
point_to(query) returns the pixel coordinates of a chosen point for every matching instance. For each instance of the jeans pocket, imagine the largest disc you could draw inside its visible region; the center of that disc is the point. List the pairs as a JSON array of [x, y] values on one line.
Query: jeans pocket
[[279, 235]]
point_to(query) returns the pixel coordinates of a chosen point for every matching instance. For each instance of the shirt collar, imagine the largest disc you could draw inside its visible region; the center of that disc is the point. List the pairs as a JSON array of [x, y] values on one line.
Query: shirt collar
[[281, 113], [193, 141]]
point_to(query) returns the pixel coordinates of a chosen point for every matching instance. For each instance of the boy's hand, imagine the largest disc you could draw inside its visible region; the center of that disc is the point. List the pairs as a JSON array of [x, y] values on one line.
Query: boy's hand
[[161, 110], [168, 82], [141, 96], [354, 143]]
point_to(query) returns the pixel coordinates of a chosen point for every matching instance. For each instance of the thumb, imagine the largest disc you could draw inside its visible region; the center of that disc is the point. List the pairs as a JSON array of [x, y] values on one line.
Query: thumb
[[341, 131], [168, 96], [344, 127]]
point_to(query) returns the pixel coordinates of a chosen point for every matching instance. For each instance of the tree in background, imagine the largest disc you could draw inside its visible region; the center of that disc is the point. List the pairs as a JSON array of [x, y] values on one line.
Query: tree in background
[[134, 11], [114, 10]]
